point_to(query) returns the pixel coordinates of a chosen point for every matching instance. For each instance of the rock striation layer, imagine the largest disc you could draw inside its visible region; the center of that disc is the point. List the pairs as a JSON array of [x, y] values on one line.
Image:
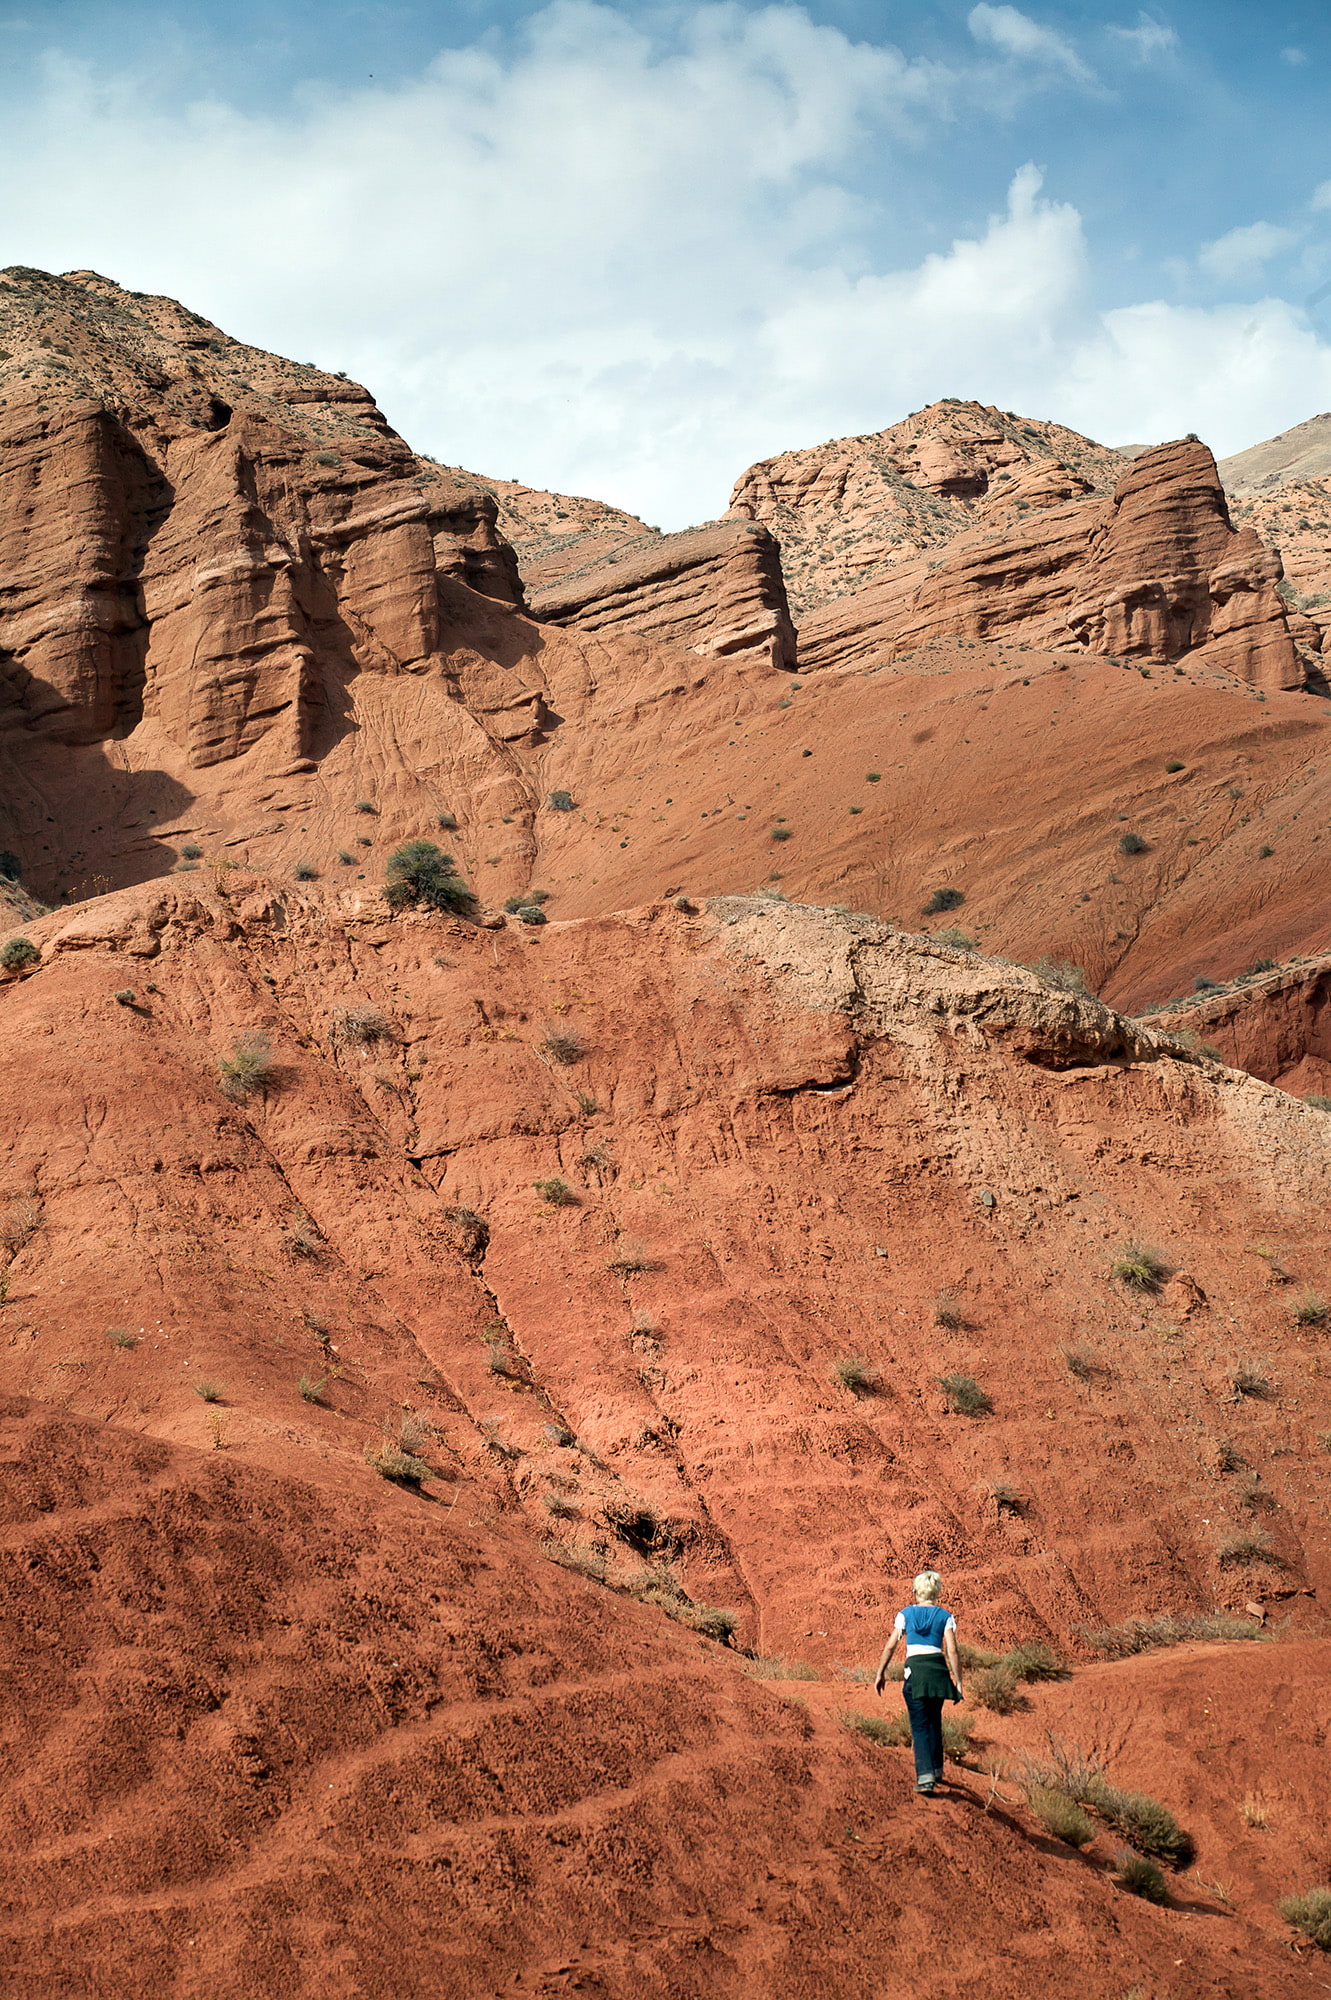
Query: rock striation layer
[[849, 513], [1153, 574]]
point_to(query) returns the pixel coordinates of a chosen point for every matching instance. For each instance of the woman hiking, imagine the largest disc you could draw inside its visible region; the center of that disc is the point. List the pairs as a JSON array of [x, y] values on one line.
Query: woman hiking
[[933, 1674]]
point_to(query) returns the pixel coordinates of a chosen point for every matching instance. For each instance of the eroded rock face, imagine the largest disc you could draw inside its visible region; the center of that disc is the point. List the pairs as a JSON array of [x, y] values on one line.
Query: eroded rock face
[[1156, 573], [717, 590], [851, 513], [204, 533], [1168, 574]]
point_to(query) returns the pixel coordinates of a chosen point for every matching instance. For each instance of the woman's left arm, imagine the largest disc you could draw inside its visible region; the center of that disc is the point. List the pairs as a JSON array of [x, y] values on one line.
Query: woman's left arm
[[951, 1655]]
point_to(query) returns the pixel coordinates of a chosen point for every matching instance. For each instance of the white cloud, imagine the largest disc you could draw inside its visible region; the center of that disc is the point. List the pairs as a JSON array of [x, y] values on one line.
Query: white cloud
[[623, 259], [1321, 199], [1296, 58], [1241, 253], [1150, 39], [1015, 34]]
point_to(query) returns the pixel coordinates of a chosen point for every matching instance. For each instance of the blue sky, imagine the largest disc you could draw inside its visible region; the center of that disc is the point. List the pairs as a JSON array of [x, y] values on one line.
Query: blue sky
[[627, 249]]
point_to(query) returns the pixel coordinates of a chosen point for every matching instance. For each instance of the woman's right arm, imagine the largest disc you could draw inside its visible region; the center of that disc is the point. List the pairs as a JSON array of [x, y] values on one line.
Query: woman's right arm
[[880, 1678]]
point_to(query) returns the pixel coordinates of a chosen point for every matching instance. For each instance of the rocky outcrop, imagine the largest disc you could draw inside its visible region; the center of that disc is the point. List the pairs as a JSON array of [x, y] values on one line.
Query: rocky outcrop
[[1168, 574], [851, 513], [202, 533], [1156, 573], [717, 590]]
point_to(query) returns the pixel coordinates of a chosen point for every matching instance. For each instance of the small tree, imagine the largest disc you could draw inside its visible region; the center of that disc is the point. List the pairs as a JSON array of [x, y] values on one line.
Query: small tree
[[419, 872]]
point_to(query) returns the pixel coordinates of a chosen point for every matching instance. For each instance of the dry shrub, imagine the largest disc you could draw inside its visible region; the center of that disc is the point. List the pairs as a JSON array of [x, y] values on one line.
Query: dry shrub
[[781, 1670], [556, 1193], [893, 1731], [1145, 1635], [630, 1258], [403, 1468], [19, 1224], [965, 1397], [361, 1026], [947, 1312], [1250, 1545], [853, 1372], [998, 1688], [563, 1045], [249, 1067], [1311, 1914]]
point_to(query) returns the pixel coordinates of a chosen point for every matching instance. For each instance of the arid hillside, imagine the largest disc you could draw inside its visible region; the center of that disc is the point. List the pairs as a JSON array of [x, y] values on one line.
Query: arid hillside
[[663, 1246]]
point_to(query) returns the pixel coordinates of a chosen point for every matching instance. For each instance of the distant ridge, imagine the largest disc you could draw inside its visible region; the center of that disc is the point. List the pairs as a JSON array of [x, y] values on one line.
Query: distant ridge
[[1301, 453]]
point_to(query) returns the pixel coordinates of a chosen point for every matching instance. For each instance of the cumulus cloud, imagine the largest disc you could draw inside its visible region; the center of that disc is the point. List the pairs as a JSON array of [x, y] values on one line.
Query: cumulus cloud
[[627, 256], [1242, 253], [1149, 40], [1015, 34], [1321, 199]]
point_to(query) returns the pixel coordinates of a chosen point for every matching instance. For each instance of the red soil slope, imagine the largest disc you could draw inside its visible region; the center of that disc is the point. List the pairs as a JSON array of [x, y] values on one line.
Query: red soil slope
[[300, 1729]]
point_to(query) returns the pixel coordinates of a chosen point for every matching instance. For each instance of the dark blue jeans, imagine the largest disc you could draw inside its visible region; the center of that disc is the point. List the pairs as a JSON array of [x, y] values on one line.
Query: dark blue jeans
[[926, 1735]]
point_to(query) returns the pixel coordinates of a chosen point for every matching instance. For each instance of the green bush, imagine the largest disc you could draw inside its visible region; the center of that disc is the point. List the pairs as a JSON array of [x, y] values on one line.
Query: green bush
[[957, 1734], [560, 802], [1061, 1816], [419, 873], [1311, 1914], [312, 1387], [1131, 843], [366, 806], [965, 1397], [123, 996], [532, 913], [782, 832], [1034, 1661], [943, 899], [1174, 764], [1142, 1821], [1141, 1269], [1140, 1877], [211, 1392], [17, 953], [558, 1193]]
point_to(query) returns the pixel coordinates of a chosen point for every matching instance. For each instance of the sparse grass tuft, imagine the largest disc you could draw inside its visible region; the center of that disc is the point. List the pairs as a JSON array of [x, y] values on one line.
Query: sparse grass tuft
[[630, 1258], [1310, 1309], [1034, 1661], [783, 833], [248, 1068], [563, 1045], [403, 1468], [312, 1387], [1142, 1821], [560, 1506], [305, 871], [1316, 1102], [120, 1336], [781, 1670], [1249, 1545], [1140, 1268], [965, 1397], [1007, 1497], [948, 1313], [362, 1026], [1145, 1635], [1311, 1914], [210, 1391], [853, 1372], [1140, 1877], [1249, 1378], [957, 1733], [891, 1731], [1061, 1816], [943, 899], [557, 1193], [1079, 1362]]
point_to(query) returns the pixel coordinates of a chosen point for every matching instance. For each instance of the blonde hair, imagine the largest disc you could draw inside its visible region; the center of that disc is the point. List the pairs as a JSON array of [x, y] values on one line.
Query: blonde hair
[[928, 1587]]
